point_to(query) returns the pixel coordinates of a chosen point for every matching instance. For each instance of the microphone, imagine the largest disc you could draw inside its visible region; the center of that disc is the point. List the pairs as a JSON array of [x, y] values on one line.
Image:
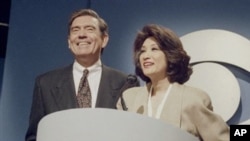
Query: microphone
[[130, 82]]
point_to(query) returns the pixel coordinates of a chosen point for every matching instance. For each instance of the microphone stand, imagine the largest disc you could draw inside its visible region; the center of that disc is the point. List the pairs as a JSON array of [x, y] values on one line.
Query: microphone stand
[[131, 81]]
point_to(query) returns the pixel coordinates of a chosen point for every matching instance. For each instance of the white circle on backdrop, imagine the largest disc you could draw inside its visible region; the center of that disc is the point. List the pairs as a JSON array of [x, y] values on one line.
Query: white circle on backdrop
[[218, 45], [220, 84]]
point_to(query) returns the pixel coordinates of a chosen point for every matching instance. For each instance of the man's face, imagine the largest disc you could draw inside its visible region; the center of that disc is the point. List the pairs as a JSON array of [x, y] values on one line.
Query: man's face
[[85, 39]]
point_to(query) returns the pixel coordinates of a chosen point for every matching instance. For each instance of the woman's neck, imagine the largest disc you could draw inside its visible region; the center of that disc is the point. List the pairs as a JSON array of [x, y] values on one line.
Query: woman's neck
[[159, 86]]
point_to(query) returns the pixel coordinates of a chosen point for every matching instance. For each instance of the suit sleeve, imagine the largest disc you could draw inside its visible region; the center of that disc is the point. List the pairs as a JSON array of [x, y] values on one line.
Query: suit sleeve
[[37, 112]]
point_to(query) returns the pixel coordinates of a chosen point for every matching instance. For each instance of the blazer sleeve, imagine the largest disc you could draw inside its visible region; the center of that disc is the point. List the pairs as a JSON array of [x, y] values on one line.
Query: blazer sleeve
[[119, 105], [209, 125]]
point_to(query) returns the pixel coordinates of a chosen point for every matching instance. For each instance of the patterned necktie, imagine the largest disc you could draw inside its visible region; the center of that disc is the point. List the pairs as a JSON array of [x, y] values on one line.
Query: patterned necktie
[[84, 94]]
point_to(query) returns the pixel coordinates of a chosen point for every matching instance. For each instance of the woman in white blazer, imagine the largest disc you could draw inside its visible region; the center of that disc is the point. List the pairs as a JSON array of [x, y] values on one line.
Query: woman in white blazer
[[163, 64]]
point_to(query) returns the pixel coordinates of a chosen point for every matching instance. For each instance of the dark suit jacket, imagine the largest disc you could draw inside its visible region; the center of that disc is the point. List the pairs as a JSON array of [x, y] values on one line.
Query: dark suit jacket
[[55, 91]]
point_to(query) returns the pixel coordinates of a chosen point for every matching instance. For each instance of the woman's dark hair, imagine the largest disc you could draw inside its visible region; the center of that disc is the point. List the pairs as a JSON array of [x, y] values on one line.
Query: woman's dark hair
[[178, 69]]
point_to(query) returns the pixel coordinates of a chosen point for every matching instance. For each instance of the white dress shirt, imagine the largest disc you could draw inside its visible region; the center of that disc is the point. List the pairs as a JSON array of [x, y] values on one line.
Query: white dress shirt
[[94, 78]]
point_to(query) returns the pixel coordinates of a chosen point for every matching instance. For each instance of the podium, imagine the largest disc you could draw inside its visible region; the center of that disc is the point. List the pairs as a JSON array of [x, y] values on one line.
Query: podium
[[102, 124]]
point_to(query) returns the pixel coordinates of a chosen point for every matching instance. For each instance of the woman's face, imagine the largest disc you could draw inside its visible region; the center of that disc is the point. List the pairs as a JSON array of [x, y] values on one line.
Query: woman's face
[[152, 59]]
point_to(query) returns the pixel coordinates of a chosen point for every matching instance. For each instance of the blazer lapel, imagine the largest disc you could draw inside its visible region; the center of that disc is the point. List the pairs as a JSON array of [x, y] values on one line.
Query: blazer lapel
[[172, 109], [136, 100], [144, 99]]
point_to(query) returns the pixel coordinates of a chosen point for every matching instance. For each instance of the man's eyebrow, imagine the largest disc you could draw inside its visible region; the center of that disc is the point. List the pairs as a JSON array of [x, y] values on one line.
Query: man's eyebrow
[[86, 26], [89, 26], [72, 27]]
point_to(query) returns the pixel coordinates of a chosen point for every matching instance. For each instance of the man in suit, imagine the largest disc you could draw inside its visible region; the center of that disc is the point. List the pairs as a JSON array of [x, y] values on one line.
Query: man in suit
[[57, 90]]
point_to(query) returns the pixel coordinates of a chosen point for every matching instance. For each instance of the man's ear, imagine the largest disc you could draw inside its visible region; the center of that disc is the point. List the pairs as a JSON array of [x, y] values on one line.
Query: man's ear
[[69, 43], [105, 41]]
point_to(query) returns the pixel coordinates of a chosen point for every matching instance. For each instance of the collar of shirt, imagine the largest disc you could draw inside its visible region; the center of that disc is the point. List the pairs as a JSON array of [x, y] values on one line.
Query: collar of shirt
[[94, 78]]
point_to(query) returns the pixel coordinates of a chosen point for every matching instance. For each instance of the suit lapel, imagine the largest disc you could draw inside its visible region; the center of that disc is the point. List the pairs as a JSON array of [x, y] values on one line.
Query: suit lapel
[[172, 109], [64, 92], [144, 99], [106, 96]]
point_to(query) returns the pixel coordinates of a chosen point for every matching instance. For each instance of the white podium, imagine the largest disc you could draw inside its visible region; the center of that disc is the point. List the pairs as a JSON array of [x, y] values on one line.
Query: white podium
[[101, 124]]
